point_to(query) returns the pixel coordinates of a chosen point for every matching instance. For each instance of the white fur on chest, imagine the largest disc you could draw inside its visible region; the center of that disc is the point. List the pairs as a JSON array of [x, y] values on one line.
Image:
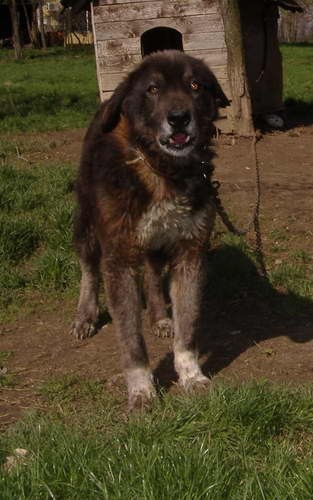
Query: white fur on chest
[[169, 221]]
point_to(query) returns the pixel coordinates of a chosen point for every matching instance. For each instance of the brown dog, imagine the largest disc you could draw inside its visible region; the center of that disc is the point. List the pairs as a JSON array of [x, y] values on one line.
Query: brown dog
[[144, 196]]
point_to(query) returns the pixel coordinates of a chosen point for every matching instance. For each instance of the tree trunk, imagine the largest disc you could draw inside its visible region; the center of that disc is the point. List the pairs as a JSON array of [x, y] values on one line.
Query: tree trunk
[[41, 25], [15, 29], [241, 108], [34, 26], [29, 31], [68, 27]]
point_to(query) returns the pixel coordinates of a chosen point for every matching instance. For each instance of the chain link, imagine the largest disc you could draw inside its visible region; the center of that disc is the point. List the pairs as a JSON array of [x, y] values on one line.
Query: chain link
[[255, 219]]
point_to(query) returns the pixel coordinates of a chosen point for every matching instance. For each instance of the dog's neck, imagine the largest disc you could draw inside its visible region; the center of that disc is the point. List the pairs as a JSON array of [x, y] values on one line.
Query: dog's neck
[[197, 165], [191, 172]]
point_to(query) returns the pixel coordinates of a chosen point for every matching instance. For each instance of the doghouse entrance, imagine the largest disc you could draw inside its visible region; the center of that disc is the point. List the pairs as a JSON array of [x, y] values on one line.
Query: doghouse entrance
[[160, 39]]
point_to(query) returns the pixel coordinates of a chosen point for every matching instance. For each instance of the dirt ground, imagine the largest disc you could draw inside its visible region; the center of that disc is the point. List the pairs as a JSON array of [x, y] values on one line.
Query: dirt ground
[[245, 338]]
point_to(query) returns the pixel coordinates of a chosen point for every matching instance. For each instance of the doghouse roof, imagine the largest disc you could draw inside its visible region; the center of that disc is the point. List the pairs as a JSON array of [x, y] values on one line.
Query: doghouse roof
[[79, 5]]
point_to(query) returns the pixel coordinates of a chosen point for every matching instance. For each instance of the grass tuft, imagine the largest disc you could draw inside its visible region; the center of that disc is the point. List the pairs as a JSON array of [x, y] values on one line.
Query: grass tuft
[[250, 442], [19, 238], [36, 231], [54, 91]]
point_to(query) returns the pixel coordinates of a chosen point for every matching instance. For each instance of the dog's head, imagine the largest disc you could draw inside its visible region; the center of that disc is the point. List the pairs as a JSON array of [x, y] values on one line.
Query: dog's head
[[170, 101]]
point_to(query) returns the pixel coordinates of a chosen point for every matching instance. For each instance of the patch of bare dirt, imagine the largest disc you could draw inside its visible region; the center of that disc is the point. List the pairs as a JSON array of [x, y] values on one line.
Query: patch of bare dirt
[[244, 339]]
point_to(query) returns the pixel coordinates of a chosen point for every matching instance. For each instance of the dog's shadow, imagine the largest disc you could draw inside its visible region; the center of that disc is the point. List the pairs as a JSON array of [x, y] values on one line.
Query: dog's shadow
[[240, 309]]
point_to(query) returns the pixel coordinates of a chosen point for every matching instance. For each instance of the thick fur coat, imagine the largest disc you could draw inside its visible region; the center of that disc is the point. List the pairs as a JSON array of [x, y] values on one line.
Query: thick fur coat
[[145, 198]]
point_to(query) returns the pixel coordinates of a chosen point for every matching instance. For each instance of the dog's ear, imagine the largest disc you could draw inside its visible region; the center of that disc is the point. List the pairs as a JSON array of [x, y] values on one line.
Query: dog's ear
[[222, 100], [214, 87], [113, 108]]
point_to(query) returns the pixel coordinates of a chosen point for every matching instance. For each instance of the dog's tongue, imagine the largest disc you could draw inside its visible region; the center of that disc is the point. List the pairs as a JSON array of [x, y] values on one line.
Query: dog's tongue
[[179, 138]]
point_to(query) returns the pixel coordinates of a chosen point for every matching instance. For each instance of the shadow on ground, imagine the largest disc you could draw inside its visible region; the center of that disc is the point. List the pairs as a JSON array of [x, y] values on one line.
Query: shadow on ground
[[298, 113], [240, 310]]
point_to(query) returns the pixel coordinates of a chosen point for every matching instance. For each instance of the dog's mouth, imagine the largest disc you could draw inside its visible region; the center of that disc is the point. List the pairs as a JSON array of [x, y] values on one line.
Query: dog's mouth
[[178, 141]]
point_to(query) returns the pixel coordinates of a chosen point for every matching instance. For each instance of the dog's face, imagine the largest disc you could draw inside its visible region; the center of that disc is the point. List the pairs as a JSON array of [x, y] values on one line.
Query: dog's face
[[170, 101]]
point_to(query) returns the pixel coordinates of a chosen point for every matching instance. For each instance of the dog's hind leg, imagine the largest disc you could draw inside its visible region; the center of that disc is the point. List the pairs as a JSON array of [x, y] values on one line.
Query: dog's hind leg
[[161, 324], [125, 305], [88, 248], [186, 291]]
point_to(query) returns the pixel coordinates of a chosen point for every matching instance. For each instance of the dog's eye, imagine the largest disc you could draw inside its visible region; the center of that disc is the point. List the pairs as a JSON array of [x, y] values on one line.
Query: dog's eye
[[195, 85], [153, 89]]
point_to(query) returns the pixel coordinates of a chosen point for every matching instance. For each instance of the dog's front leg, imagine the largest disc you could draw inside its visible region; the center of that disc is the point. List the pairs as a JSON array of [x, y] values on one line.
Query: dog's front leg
[[125, 306], [186, 289], [161, 324]]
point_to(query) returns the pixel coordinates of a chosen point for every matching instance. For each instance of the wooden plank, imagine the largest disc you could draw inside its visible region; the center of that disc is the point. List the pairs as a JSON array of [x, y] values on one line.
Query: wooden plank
[[130, 46], [210, 57], [152, 10], [219, 71], [113, 2], [224, 125], [126, 62], [196, 42], [109, 81], [105, 95], [207, 40], [95, 46], [188, 25], [119, 64], [121, 2]]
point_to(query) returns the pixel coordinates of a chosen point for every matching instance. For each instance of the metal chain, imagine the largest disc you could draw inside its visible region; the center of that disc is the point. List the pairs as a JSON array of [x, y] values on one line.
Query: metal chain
[[255, 219]]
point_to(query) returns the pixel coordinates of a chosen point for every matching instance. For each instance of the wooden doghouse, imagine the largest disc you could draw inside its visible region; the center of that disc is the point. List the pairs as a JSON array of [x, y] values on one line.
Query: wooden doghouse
[[236, 38], [125, 31]]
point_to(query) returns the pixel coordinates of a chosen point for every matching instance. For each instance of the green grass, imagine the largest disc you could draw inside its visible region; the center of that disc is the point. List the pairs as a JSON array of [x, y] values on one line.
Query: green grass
[[298, 79], [69, 388], [4, 356], [36, 211], [51, 90], [252, 442]]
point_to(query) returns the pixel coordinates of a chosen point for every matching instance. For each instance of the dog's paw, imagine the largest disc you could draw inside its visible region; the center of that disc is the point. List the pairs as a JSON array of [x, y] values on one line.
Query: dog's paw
[[163, 328], [197, 383], [141, 401], [141, 390], [83, 329]]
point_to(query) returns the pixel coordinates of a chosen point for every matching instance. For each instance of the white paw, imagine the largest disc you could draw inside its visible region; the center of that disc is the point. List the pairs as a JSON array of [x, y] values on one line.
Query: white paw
[[141, 390], [189, 371], [195, 383]]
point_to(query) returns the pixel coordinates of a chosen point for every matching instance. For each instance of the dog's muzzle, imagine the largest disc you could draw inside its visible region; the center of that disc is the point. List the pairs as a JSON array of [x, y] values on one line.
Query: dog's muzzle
[[178, 133]]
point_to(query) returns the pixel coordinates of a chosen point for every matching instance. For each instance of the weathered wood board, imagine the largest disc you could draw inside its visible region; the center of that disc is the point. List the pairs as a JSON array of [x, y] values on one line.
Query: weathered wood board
[[207, 40], [119, 2], [193, 41], [125, 63], [185, 25], [153, 10]]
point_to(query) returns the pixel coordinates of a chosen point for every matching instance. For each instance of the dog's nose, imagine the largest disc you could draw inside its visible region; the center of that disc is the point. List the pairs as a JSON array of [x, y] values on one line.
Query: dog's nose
[[179, 118]]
